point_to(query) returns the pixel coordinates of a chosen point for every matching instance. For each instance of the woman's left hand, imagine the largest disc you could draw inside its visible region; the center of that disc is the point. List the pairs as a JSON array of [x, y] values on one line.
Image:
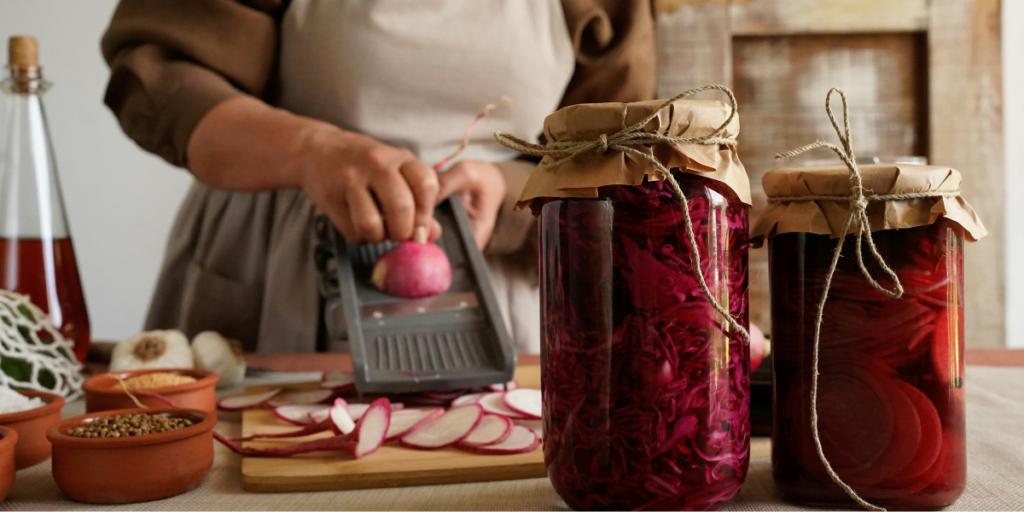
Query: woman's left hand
[[482, 187]]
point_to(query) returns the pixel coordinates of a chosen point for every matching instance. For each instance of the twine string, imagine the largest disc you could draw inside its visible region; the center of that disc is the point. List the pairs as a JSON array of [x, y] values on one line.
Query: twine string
[[627, 141], [857, 219]]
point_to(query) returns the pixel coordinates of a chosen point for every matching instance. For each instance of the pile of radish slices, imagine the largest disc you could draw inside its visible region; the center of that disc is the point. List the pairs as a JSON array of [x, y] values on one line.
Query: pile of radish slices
[[501, 419]]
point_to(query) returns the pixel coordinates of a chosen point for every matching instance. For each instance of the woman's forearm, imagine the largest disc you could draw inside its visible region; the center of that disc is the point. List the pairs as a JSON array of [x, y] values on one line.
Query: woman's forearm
[[243, 144]]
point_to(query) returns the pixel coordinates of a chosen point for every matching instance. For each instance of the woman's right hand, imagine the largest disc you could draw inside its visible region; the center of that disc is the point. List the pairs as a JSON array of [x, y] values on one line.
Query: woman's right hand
[[370, 190]]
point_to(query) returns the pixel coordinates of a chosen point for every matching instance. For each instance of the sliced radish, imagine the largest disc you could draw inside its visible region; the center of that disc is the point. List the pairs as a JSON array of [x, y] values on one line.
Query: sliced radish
[[242, 402], [492, 429], [521, 440], [471, 398], [308, 397], [341, 420], [525, 401], [508, 386], [338, 381], [446, 430], [299, 414], [494, 404], [319, 416], [357, 410], [373, 427], [407, 420], [537, 426]]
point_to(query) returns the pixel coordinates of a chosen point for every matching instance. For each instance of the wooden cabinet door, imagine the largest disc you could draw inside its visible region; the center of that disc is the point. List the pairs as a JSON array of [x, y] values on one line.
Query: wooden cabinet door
[[923, 78]]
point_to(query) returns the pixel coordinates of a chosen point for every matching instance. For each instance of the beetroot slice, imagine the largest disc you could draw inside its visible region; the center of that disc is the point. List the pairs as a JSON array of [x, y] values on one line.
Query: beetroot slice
[[929, 448], [406, 421], [521, 440], [524, 401], [946, 345], [492, 429], [495, 404], [445, 430], [902, 447], [242, 402], [537, 426], [299, 414], [307, 397]]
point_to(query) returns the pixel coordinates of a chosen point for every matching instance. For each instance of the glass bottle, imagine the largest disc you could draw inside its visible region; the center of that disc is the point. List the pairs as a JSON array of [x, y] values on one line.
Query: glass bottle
[[36, 255], [646, 392]]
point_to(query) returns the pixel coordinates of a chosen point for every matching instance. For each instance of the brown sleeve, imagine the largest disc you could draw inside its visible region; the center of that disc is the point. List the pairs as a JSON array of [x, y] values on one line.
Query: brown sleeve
[[615, 56], [172, 61]]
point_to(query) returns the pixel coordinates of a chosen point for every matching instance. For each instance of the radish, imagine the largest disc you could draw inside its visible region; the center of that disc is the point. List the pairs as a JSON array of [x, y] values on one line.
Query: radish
[[340, 382], [537, 426], [321, 415], [521, 440], [299, 414], [508, 386], [406, 421], [758, 347], [413, 270], [446, 430], [471, 398], [310, 396], [523, 401], [341, 420], [372, 428], [338, 421], [494, 404], [492, 429], [242, 402], [354, 410]]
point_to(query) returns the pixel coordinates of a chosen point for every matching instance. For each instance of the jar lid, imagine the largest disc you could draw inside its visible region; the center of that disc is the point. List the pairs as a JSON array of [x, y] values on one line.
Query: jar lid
[[582, 174], [799, 200]]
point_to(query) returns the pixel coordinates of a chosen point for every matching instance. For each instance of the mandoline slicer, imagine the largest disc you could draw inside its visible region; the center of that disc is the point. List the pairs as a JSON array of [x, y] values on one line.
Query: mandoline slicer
[[454, 340]]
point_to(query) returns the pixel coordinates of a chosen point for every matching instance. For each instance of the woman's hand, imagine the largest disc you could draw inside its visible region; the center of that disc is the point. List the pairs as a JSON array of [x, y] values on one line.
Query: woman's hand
[[482, 188], [370, 190]]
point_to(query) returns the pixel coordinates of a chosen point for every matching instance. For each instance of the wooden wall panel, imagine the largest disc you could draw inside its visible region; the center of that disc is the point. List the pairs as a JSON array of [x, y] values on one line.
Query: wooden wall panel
[[694, 48], [787, 17]]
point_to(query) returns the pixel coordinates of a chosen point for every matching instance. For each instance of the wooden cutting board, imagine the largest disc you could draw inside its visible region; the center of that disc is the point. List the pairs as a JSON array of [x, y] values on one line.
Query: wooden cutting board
[[390, 466]]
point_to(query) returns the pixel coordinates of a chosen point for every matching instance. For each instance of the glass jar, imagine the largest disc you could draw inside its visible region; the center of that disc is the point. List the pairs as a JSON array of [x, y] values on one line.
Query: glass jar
[[890, 389], [645, 386]]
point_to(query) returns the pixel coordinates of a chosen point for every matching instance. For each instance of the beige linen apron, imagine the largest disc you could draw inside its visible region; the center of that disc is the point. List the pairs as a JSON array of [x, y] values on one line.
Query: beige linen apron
[[411, 73]]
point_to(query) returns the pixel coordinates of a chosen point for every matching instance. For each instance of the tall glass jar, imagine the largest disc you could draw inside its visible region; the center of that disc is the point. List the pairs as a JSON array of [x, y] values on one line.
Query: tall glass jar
[[645, 386], [890, 397]]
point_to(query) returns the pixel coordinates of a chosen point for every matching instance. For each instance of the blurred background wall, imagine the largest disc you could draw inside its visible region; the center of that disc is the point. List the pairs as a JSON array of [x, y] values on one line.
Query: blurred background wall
[[121, 200]]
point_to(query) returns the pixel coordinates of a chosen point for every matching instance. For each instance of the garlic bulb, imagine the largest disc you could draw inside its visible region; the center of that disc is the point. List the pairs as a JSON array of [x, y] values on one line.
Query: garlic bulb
[[152, 349], [219, 355]]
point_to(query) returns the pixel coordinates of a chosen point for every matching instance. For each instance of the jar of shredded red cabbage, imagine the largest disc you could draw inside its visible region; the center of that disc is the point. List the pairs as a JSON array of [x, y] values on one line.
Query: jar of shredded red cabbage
[[890, 398], [645, 386]]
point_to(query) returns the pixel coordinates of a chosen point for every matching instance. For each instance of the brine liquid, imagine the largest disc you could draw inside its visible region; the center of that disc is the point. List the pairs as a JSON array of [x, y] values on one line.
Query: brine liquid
[[891, 385], [48, 273]]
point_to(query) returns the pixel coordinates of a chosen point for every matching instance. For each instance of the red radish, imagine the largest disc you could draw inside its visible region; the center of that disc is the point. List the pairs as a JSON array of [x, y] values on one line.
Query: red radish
[[407, 420], [299, 414], [471, 398], [242, 402], [308, 430], [758, 347], [354, 410], [341, 420], [319, 416], [310, 396], [446, 396], [494, 404], [537, 426], [508, 386], [413, 270], [372, 428], [338, 421], [906, 439], [521, 440], [446, 430], [340, 382], [492, 429], [524, 401]]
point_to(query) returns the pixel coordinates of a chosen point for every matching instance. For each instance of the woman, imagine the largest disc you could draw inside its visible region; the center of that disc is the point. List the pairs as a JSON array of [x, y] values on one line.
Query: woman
[[283, 109]]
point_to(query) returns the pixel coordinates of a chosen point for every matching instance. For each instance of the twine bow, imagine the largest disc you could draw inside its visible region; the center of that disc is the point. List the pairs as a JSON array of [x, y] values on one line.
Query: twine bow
[[858, 219], [627, 141]]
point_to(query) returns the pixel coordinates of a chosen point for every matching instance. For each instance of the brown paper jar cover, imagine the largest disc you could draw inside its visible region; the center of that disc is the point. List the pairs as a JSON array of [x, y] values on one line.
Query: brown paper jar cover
[[582, 175], [828, 217]]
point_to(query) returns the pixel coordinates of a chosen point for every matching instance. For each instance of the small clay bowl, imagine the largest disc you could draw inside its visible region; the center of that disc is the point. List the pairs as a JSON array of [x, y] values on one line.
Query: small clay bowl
[[31, 426], [8, 438], [104, 393], [132, 469]]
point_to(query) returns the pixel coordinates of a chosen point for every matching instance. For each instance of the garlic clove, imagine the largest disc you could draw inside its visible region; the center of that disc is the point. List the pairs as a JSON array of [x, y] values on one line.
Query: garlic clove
[[220, 355], [152, 349]]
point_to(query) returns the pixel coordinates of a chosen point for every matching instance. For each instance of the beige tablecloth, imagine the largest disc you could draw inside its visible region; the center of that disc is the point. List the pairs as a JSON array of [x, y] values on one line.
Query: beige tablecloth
[[995, 439]]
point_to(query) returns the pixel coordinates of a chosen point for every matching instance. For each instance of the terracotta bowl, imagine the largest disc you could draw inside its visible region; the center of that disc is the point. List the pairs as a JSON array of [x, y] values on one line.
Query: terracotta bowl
[[31, 426], [8, 438], [104, 393], [132, 469]]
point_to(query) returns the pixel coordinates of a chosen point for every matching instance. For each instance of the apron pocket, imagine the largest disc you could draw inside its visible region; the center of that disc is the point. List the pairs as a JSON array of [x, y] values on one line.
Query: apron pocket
[[212, 302]]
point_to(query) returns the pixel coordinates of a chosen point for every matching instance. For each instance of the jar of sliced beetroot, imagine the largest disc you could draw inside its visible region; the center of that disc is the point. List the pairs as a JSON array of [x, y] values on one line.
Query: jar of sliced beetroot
[[889, 287], [643, 305]]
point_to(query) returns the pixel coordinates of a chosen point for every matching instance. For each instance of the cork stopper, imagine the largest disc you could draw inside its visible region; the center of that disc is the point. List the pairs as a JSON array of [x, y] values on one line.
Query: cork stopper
[[22, 52]]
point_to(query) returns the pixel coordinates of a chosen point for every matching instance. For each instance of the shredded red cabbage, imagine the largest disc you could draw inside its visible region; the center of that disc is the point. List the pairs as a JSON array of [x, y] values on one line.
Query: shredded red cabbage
[[646, 393]]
